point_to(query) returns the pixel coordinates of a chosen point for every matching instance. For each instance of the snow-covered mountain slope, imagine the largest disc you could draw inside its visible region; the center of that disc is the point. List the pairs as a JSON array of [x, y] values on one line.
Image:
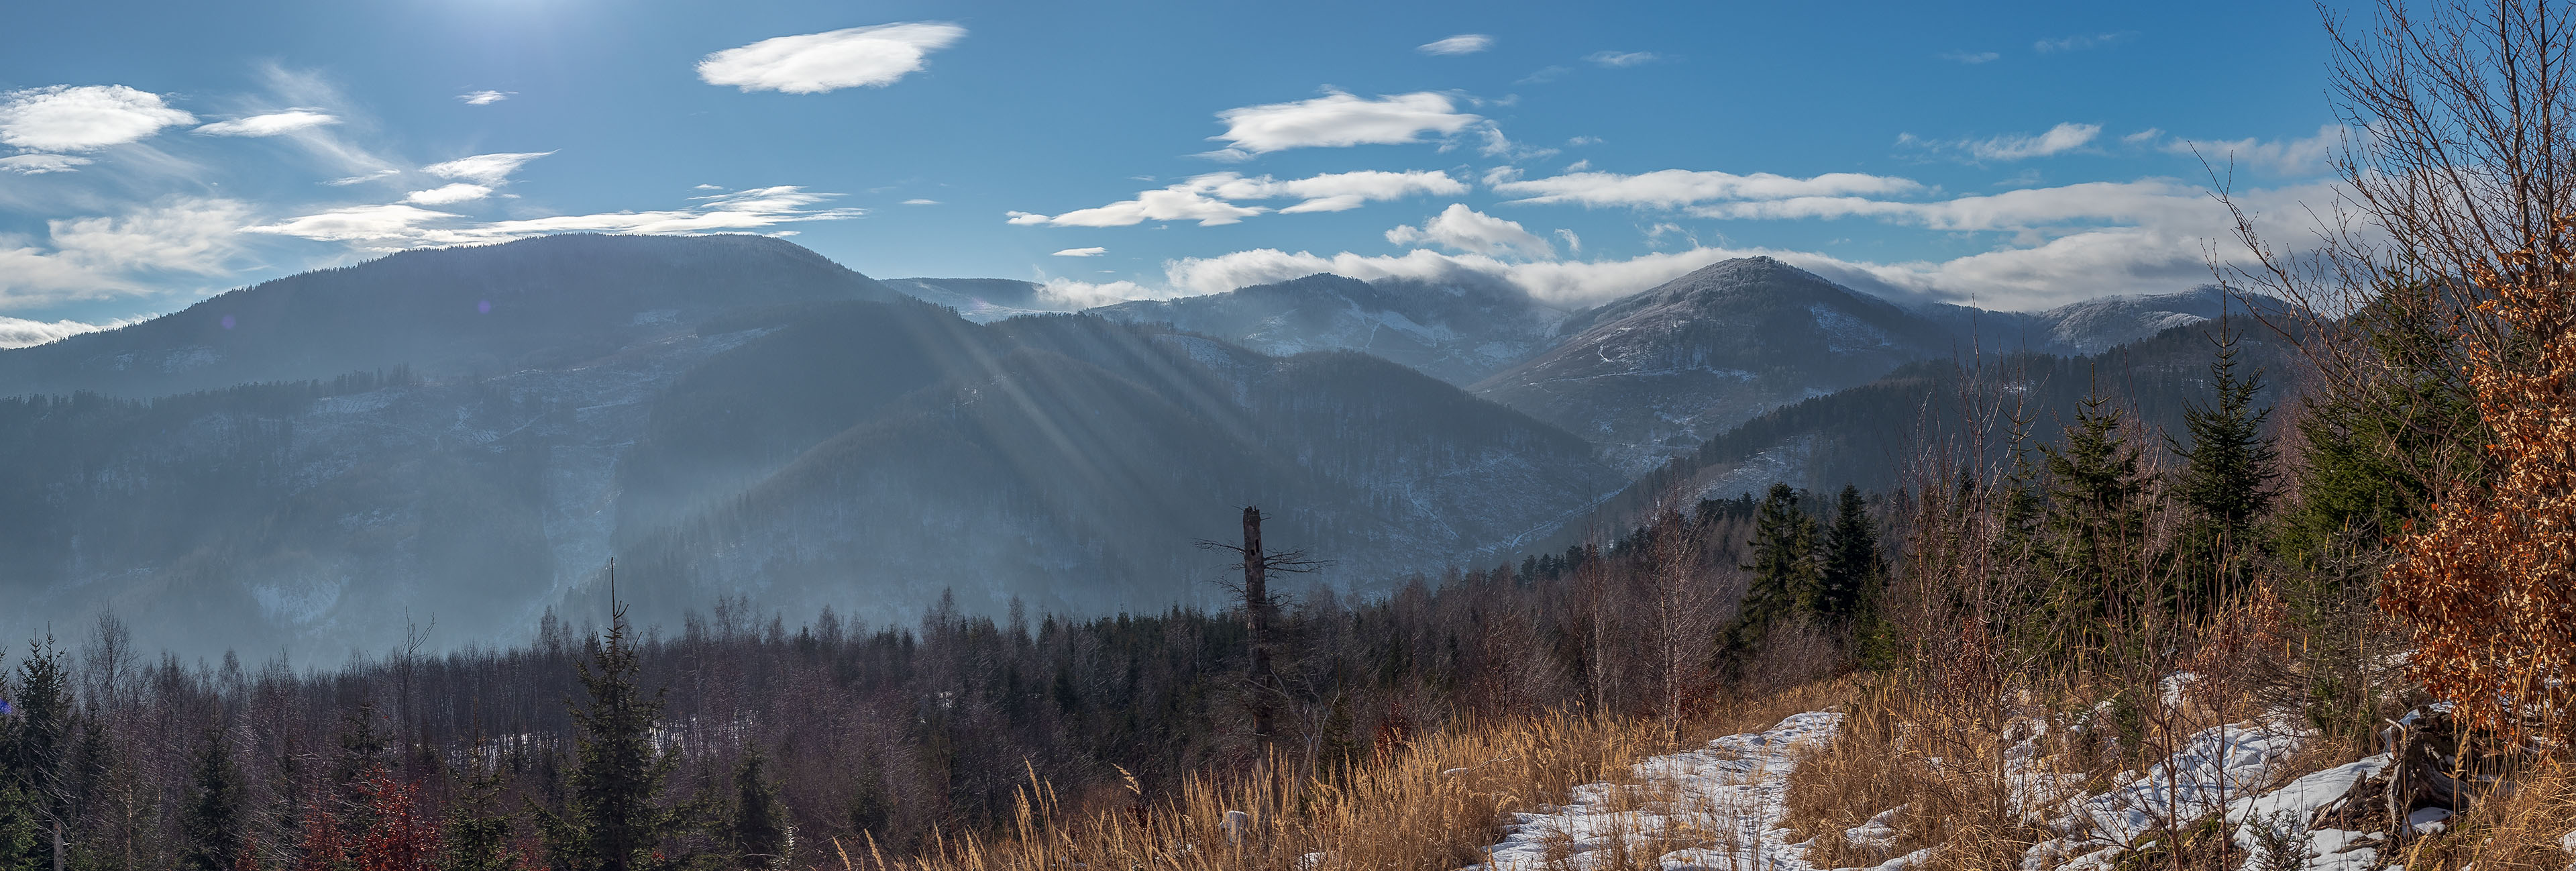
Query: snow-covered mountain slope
[[982, 300], [1457, 332], [1663, 370], [868, 455]]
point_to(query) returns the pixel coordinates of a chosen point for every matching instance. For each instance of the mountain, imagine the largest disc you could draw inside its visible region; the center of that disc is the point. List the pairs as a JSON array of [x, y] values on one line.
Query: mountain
[[1665, 369], [982, 300], [2095, 325], [1877, 434], [762, 438], [541, 303], [1457, 332]]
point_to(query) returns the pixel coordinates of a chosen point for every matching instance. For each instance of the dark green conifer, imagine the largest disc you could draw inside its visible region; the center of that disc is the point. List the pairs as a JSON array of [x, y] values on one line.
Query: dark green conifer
[[2225, 483], [615, 817], [211, 821], [2096, 524], [757, 831]]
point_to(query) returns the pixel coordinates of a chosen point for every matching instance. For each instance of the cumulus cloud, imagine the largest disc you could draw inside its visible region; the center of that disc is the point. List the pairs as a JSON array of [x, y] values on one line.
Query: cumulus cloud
[[1678, 187], [813, 63], [22, 333], [1210, 199], [271, 124], [1970, 58], [485, 98], [83, 117], [1464, 43], [446, 194], [2311, 155], [487, 169], [1337, 120], [119, 255], [2010, 147], [397, 226], [1081, 252], [917, 201], [1463, 229], [39, 164], [1621, 58]]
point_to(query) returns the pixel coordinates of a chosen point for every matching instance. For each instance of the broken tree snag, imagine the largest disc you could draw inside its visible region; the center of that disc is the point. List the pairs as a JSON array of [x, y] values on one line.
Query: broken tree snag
[[1260, 613], [1256, 615]]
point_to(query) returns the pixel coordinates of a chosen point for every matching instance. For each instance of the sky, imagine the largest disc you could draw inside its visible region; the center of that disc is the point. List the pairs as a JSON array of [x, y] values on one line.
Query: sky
[[2012, 156]]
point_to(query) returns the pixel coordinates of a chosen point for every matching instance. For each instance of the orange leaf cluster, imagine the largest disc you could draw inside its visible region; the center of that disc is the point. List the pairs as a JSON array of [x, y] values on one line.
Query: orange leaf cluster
[[2489, 583]]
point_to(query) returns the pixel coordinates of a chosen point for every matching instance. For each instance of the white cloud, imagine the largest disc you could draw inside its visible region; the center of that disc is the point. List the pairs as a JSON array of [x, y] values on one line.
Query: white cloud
[[271, 124], [2080, 42], [917, 201], [1573, 243], [22, 333], [39, 164], [1338, 120], [1464, 43], [82, 117], [114, 255], [1622, 58], [397, 226], [1081, 252], [1678, 187], [1175, 203], [446, 194], [1970, 58], [486, 169], [2310, 155], [485, 98], [2012, 146], [817, 62], [362, 179], [1463, 229], [1208, 199], [1070, 294]]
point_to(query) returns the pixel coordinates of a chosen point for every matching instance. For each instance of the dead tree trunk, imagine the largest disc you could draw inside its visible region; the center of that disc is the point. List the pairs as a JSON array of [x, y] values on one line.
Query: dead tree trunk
[[1256, 614]]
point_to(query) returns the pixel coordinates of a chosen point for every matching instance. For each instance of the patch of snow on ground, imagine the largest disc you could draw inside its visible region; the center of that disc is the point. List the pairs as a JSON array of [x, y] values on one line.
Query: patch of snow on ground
[[1728, 798], [2212, 770], [2294, 807]]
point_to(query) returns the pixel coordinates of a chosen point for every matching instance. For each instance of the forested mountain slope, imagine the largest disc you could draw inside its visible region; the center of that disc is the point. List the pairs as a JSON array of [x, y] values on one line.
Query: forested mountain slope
[[1459, 332]]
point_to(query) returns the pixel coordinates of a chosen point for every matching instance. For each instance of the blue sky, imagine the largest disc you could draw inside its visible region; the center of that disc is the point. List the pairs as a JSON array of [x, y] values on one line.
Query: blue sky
[[2010, 155]]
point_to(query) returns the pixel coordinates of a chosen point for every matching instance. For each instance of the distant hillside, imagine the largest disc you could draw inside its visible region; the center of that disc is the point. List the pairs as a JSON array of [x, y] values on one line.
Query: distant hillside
[[536, 303], [1674, 365], [1875, 435], [799, 450], [1457, 332], [982, 300], [2094, 325]]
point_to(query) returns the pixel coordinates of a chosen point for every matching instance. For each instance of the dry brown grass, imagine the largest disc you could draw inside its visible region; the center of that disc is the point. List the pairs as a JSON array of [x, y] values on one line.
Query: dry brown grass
[[1436, 804], [2514, 831], [1884, 760]]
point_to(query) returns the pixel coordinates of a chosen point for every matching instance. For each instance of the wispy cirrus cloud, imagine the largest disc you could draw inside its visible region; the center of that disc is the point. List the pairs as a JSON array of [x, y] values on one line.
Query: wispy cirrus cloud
[[814, 63], [448, 194], [1616, 59], [1211, 199], [1337, 119], [1671, 188], [2008, 147], [1464, 43], [486, 169], [2307, 155], [39, 164], [397, 225], [83, 117], [1080, 252], [271, 124], [484, 98], [2081, 41]]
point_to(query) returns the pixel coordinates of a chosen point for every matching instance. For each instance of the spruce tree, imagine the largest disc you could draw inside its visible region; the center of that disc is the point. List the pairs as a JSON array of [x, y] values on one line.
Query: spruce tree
[[477, 833], [615, 816], [22, 835], [758, 830], [35, 746], [1786, 579], [2096, 524], [212, 819], [2225, 482], [1850, 562]]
